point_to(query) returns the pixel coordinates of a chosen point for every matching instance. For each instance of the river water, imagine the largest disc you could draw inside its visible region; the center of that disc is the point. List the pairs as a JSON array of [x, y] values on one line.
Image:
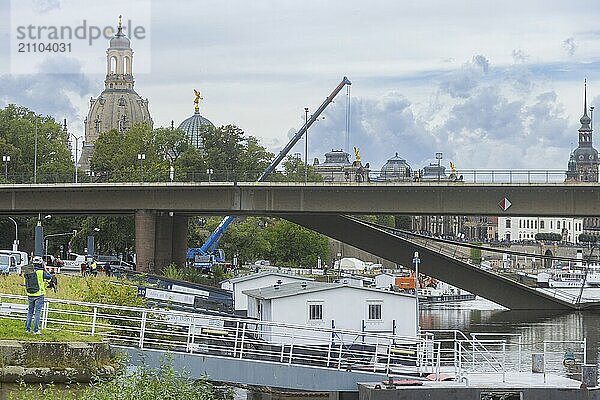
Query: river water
[[534, 327]]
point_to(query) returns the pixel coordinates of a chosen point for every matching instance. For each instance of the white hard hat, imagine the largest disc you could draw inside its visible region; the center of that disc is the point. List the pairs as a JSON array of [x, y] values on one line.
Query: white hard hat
[[38, 260]]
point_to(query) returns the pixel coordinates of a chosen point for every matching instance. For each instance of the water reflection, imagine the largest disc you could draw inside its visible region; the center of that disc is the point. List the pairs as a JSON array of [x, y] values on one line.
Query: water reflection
[[534, 326]]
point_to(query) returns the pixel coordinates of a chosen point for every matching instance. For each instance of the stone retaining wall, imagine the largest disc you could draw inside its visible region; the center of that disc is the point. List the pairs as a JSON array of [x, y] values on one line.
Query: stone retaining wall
[[57, 362]]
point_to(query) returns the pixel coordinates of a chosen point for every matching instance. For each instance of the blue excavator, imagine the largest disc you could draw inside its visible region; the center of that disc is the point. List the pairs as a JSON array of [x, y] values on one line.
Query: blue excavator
[[207, 256]]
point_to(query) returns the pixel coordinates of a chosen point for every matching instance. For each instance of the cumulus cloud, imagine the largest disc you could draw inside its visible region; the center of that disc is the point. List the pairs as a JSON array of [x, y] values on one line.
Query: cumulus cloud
[[48, 94], [380, 127], [460, 82], [519, 56], [569, 46], [483, 119]]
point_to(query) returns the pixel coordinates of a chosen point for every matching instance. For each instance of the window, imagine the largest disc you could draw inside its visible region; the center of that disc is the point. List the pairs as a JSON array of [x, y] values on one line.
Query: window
[[374, 311], [557, 224], [508, 223], [315, 312], [520, 223], [542, 224]]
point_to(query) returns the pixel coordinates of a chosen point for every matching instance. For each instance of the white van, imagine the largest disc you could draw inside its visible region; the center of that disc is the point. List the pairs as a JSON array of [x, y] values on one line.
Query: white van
[[8, 264], [21, 258], [73, 262]]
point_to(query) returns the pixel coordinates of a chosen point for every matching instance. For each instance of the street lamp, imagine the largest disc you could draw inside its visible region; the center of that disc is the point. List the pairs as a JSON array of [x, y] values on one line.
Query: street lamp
[[438, 157], [416, 262], [141, 157], [306, 146], [77, 138], [6, 160], [209, 172], [16, 242]]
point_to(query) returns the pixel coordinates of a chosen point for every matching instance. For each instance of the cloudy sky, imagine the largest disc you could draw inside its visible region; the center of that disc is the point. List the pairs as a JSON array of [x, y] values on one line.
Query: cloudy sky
[[490, 84]]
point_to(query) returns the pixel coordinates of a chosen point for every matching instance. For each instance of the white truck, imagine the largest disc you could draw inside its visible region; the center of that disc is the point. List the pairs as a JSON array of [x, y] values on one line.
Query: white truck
[[73, 262], [21, 260]]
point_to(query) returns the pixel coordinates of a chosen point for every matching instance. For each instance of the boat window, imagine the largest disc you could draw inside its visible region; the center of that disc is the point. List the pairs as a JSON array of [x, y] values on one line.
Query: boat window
[[315, 312], [374, 311]]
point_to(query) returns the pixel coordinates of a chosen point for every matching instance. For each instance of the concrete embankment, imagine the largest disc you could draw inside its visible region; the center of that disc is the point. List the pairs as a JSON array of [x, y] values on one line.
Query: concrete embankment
[[54, 362]]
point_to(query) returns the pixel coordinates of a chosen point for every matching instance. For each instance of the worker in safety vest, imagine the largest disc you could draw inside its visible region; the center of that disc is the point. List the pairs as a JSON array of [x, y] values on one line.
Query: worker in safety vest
[[35, 285], [94, 268]]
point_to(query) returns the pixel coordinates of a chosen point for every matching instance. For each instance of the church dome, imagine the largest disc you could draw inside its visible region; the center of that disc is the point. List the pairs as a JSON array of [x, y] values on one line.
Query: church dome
[[120, 41], [116, 109], [337, 158], [192, 127], [396, 167], [588, 154]]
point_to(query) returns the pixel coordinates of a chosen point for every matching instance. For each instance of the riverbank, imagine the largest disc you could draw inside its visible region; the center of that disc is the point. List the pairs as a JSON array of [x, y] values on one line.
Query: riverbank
[[55, 362]]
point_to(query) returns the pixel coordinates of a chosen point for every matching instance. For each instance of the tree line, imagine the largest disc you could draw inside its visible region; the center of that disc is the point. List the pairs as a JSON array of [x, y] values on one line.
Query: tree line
[[168, 154]]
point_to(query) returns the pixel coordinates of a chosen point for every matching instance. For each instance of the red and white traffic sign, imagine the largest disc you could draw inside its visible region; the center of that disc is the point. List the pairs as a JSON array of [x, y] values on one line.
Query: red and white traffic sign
[[504, 204]]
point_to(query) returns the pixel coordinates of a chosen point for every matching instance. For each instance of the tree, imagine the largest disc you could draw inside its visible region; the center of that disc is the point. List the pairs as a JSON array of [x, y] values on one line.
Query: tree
[[18, 140], [549, 237], [294, 245], [586, 238], [293, 171]]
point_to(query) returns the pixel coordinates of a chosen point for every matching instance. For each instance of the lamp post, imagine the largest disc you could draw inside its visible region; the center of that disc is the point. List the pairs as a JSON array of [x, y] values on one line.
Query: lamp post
[[91, 245], [438, 157], [306, 146], [416, 262], [141, 157], [209, 172], [77, 138], [6, 160], [16, 242]]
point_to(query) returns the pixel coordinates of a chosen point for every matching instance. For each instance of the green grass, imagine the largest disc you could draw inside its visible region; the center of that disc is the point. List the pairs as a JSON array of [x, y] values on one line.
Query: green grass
[[11, 329], [98, 289]]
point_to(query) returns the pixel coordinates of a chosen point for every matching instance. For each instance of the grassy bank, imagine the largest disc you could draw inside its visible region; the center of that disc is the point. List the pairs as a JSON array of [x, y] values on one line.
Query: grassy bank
[[98, 289], [141, 384]]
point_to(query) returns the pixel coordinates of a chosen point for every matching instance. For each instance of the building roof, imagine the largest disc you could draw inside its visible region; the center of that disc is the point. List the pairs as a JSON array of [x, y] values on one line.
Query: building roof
[[300, 288], [192, 127], [263, 274]]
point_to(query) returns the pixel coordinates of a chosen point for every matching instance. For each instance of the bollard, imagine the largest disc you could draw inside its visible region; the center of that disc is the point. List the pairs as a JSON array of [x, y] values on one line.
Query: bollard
[[589, 375], [537, 363]]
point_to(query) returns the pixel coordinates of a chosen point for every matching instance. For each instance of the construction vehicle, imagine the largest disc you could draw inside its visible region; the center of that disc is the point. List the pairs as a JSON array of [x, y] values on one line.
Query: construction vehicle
[[208, 255]]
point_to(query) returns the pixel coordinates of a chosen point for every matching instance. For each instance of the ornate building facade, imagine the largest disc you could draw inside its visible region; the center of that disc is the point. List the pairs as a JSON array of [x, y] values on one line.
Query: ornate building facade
[[119, 106], [583, 162]]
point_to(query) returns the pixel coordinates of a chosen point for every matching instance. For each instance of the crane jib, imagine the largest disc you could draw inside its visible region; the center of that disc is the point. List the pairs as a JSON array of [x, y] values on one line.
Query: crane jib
[[211, 243], [345, 81]]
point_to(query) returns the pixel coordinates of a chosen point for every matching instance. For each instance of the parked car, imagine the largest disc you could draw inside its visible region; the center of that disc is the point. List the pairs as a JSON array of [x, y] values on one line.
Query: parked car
[[7, 263]]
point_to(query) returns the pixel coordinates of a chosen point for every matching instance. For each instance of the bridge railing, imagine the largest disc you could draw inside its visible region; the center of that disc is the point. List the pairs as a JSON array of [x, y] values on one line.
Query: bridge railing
[[360, 177]]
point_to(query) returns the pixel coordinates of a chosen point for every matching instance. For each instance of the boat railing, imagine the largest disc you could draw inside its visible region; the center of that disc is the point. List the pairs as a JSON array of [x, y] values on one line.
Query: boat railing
[[500, 353], [242, 338]]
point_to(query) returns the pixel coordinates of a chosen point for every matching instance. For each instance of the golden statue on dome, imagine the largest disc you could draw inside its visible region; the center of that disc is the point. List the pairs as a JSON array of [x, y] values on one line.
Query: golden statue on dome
[[197, 100]]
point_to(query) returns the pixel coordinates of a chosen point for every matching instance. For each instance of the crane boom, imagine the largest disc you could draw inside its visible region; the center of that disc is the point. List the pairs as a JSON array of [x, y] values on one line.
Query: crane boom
[[345, 81], [208, 247]]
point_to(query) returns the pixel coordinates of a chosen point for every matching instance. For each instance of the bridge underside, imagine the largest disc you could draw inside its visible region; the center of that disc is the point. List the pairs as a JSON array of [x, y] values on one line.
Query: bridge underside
[[255, 373], [488, 285]]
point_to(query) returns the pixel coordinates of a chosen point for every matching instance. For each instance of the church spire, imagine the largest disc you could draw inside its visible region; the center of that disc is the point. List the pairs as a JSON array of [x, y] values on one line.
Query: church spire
[[585, 119], [120, 26]]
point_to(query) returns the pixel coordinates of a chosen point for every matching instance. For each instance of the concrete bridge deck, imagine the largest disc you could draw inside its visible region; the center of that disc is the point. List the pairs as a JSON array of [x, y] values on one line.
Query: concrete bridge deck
[[446, 267], [267, 198]]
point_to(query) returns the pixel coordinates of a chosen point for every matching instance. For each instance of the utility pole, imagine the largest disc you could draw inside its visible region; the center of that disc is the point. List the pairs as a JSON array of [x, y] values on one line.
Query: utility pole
[[306, 146], [416, 262]]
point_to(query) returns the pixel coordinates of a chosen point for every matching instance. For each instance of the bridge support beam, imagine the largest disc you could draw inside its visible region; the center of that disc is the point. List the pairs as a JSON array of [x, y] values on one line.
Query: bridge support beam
[[160, 239], [446, 268]]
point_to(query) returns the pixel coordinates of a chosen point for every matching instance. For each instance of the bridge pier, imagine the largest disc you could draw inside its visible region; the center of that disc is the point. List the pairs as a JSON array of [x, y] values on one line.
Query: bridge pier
[[160, 239]]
